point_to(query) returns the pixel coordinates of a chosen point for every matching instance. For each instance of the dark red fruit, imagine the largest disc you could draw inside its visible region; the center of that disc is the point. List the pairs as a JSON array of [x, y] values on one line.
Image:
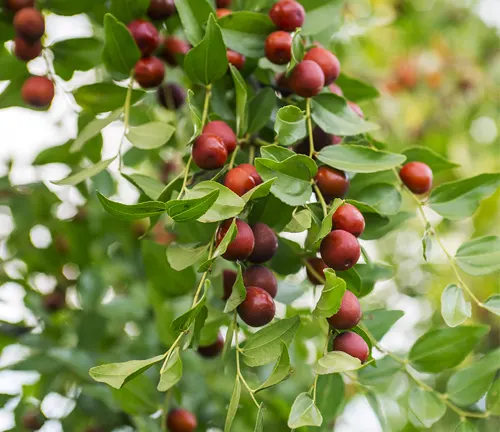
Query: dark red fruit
[[17, 5], [181, 420], [262, 277], [223, 3], [172, 48], [250, 169], [278, 47], [327, 61], [214, 349], [242, 246], [54, 301], [287, 15], [239, 181], [32, 420], [321, 140], [149, 72], [417, 177], [258, 308], [25, 50], [161, 9], [38, 91], [307, 79], [319, 267], [228, 280], [171, 96], [29, 24], [236, 59], [266, 243], [349, 218], [356, 108], [349, 314], [145, 35], [224, 132], [209, 152], [352, 344], [283, 84], [331, 182], [335, 89], [340, 250], [221, 12]]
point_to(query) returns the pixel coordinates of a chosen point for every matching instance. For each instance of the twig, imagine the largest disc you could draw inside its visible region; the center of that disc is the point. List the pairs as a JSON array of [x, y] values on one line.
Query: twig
[[309, 127]]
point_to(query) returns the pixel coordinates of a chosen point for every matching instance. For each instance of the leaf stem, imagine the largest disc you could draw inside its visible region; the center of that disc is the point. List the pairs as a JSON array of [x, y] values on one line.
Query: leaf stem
[[208, 95], [313, 271], [186, 175], [251, 154], [321, 199], [204, 275], [169, 352], [233, 157], [309, 127], [126, 118]]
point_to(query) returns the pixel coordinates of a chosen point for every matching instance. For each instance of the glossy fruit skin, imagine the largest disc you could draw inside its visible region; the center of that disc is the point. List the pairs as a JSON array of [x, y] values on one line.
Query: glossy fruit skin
[[228, 280], [239, 181], [171, 96], [242, 245], [258, 308], [149, 72], [223, 3], [161, 9], [32, 421], [319, 267], [349, 314], [327, 61], [266, 243], [212, 350], [307, 79], [417, 177], [262, 277], [287, 15], [38, 91], [25, 50], [340, 250], [222, 12], [172, 47], [236, 59], [54, 301], [278, 47], [181, 420], [335, 89], [224, 132], [145, 35], [352, 344], [331, 182], [29, 24], [356, 108], [17, 5], [209, 152], [250, 169], [348, 218]]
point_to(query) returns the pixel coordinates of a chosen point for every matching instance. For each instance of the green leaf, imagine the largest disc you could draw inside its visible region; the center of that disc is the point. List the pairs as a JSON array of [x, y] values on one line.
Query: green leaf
[[460, 199], [493, 304], [229, 340], [322, 15], [454, 308], [241, 101], [133, 211], [103, 97], [327, 222], [383, 197], [379, 321], [246, 32], [300, 222], [290, 125], [352, 280], [304, 412], [261, 109], [281, 371], [195, 115], [238, 294], [493, 398], [138, 397], [80, 54], [287, 259], [335, 362], [298, 51], [356, 90], [465, 426], [426, 406], [120, 52], [331, 296], [276, 152], [128, 10], [207, 61], [264, 346], [233, 405], [191, 209], [259, 422], [84, 174], [377, 226], [259, 191], [171, 372], [441, 349], [150, 135], [118, 374], [434, 160], [271, 211], [480, 256], [181, 256], [221, 249], [332, 114], [183, 322], [370, 274], [386, 369], [194, 15], [10, 66], [330, 396], [359, 159], [148, 185]]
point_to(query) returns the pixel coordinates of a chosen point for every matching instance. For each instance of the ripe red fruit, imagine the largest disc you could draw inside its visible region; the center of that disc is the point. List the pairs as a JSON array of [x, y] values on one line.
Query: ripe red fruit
[[25, 50], [356, 108], [307, 79], [171, 96], [287, 15], [250, 169], [242, 245], [340, 250], [228, 280], [319, 267], [223, 3], [335, 89], [266, 243], [239, 181], [212, 350], [352, 344], [149, 72], [54, 301], [262, 277], [145, 35], [17, 5], [278, 47], [258, 308], [181, 420], [32, 420], [173, 47], [161, 9], [29, 24], [38, 91], [417, 177], [236, 59], [222, 12], [209, 152], [283, 84], [349, 314], [327, 61], [224, 132], [331, 182], [350, 219]]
